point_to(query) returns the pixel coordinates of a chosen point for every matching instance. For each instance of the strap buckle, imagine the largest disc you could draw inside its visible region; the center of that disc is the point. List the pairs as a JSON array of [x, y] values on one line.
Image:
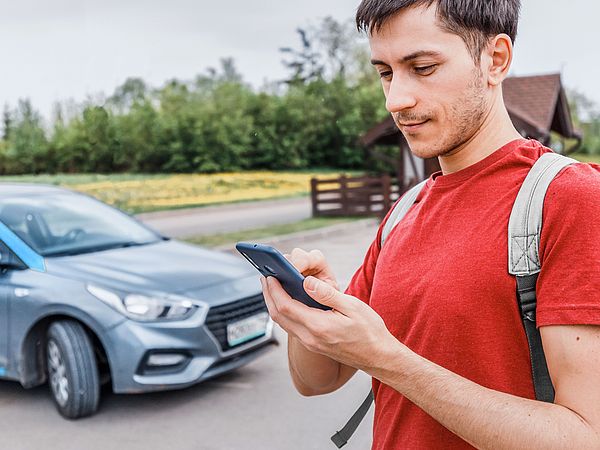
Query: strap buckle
[[339, 440]]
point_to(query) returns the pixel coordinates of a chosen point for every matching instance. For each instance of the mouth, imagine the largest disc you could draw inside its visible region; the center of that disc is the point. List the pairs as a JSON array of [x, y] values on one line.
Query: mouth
[[413, 126]]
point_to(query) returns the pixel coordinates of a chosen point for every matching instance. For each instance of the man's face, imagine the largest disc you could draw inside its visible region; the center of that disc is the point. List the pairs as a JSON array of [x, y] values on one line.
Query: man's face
[[436, 94]]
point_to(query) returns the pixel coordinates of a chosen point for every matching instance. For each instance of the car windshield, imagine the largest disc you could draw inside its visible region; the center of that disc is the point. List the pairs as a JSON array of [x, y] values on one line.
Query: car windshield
[[70, 224]]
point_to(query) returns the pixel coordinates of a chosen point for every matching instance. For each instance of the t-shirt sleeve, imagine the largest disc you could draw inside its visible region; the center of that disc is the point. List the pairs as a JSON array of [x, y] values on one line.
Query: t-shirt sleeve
[[568, 287]]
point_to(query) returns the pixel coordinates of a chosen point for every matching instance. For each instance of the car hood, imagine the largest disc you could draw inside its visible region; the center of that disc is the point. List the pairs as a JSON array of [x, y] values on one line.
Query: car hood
[[167, 266]]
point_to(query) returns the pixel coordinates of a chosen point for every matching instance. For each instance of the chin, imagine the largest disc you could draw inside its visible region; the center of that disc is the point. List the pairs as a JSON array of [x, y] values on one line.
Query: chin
[[423, 148]]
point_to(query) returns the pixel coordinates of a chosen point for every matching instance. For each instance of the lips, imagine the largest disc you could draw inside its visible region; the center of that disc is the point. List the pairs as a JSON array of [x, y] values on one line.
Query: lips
[[414, 126]]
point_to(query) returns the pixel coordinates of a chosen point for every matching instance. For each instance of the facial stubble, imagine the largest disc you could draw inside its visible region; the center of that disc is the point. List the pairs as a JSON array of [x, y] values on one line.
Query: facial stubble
[[466, 117]]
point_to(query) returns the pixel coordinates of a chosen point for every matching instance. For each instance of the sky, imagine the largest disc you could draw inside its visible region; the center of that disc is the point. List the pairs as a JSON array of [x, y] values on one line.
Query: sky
[[74, 49]]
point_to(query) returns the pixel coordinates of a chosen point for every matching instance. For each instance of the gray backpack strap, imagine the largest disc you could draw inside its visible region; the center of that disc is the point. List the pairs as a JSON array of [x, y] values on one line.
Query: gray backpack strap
[[524, 230], [401, 208], [525, 224]]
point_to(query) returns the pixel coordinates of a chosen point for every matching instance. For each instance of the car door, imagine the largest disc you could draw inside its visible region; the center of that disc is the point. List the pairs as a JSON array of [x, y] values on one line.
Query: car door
[[4, 289], [9, 263], [3, 329]]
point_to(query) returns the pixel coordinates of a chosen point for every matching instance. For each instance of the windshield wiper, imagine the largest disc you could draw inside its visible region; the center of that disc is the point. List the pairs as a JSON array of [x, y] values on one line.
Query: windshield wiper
[[95, 248]]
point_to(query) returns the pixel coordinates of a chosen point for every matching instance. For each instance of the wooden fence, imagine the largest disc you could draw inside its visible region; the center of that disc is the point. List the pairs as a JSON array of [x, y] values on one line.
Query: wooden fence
[[353, 196]]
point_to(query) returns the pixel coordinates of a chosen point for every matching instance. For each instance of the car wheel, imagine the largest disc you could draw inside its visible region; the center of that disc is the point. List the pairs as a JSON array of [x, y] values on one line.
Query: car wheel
[[72, 370]]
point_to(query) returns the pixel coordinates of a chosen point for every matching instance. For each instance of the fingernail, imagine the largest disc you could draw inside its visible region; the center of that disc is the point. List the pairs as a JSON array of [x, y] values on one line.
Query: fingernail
[[311, 283]]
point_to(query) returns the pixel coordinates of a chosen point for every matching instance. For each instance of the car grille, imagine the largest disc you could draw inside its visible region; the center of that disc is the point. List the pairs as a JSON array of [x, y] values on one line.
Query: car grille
[[219, 316]]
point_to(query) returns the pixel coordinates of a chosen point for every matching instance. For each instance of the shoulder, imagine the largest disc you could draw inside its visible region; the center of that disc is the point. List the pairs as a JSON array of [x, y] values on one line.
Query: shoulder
[[568, 285], [576, 185], [571, 211]]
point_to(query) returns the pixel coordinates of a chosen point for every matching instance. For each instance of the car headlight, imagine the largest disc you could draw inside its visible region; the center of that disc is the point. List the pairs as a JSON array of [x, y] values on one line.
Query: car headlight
[[143, 307]]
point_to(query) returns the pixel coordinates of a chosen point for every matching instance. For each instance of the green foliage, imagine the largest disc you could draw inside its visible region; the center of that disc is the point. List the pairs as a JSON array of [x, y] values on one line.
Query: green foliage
[[586, 118], [26, 144], [215, 122]]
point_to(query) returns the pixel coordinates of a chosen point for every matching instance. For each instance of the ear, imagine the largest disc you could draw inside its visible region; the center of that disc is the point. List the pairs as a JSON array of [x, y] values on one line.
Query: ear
[[499, 55]]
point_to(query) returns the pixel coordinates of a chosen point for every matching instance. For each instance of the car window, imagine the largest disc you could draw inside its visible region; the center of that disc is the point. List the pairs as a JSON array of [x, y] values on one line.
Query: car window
[[70, 223], [7, 256]]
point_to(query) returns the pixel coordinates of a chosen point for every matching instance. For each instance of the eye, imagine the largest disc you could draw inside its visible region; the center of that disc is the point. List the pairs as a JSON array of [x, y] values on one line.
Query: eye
[[425, 70], [386, 74]]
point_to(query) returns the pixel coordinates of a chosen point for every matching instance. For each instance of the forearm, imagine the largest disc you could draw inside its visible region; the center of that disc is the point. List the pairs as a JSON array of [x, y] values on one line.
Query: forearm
[[485, 418], [313, 373]]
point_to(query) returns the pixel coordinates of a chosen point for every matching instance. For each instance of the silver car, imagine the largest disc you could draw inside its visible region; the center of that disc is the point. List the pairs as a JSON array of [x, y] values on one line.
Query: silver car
[[89, 295]]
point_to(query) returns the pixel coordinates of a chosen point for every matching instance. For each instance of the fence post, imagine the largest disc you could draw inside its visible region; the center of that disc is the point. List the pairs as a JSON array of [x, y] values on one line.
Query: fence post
[[386, 185], [344, 195], [314, 196]]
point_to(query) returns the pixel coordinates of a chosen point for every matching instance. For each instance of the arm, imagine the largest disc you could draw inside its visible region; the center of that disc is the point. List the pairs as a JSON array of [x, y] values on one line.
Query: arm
[[489, 419], [313, 373], [355, 335]]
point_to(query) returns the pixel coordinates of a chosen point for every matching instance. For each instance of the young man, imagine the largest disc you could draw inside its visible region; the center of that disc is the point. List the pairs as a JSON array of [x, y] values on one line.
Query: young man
[[432, 316]]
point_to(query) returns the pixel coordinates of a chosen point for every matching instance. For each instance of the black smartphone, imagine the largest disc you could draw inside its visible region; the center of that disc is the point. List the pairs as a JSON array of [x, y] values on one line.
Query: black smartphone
[[269, 262]]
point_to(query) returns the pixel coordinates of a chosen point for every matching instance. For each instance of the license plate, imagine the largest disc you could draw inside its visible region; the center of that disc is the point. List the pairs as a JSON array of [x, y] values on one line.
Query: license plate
[[246, 329]]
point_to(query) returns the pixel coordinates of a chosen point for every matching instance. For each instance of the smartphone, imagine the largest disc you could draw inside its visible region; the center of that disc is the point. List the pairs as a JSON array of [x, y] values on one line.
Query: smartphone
[[269, 262]]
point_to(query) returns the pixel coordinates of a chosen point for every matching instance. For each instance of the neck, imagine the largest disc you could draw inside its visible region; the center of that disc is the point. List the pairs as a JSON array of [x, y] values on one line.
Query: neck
[[496, 131]]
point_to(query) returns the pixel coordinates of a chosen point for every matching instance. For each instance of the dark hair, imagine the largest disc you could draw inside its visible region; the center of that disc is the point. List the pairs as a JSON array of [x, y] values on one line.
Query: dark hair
[[475, 21]]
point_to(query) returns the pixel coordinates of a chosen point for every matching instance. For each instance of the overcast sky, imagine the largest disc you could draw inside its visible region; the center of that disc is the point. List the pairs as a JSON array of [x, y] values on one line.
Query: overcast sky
[[60, 49]]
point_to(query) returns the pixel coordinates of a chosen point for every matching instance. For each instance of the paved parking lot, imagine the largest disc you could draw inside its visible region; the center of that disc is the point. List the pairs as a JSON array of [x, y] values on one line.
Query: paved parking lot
[[255, 407]]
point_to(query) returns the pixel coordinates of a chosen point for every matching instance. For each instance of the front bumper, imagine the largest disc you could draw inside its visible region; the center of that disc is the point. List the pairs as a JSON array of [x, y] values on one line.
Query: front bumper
[[132, 342]]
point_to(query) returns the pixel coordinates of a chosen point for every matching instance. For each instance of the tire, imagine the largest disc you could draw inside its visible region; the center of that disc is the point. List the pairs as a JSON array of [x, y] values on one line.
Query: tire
[[72, 370]]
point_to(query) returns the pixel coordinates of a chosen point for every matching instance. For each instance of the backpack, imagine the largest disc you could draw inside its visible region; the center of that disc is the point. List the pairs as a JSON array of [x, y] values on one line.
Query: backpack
[[524, 230]]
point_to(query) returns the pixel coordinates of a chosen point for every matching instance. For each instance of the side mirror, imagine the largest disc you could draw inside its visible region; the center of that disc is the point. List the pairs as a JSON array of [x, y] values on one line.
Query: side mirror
[[8, 260]]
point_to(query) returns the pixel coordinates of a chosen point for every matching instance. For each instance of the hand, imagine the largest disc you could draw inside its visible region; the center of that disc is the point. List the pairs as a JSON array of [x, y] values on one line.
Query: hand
[[351, 333], [314, 264]]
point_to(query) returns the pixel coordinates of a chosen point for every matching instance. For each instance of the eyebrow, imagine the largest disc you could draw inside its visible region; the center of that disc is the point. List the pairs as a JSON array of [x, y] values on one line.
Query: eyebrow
[[410, 57]]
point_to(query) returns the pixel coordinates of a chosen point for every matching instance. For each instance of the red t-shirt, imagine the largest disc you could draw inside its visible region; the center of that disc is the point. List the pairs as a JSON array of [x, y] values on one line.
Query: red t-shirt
[[442, 286]]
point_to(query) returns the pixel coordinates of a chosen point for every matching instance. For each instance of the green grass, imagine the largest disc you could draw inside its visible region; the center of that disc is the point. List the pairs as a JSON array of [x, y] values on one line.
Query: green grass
[[65, 179], [215, 240], [70, 179], [586, 158]]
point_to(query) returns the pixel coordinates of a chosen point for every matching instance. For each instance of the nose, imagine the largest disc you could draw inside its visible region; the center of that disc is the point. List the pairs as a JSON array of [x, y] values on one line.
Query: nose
[[400, 96]]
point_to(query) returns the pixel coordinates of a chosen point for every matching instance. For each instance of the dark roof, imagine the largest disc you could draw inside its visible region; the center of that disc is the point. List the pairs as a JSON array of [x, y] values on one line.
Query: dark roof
[[540, 101], [537, 105]]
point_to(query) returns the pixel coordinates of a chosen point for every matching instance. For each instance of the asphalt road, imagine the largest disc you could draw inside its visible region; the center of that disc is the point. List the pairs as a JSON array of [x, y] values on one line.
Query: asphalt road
[[184, 223], [252, 408]]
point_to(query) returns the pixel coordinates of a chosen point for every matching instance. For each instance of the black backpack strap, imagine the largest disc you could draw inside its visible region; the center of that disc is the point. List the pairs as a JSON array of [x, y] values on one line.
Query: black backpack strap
[[542, 383], [341, 437], [524, 231]]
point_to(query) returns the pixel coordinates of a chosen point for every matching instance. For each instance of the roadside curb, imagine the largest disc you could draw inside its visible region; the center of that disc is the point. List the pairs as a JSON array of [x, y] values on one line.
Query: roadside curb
[[303, 236]]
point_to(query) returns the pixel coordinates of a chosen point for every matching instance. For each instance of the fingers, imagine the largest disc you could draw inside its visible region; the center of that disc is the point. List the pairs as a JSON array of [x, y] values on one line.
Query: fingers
[[311, 263], [287, 306], [283, 309], [327, 295], [300, 259]]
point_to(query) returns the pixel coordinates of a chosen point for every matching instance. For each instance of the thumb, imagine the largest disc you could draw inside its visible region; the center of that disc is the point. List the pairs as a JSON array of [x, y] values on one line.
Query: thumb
[[323, 293]]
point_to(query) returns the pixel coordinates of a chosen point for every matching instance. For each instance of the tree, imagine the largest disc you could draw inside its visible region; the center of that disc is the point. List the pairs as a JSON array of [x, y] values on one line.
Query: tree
[[305, 64], [132, 91], [586, 117], [27, 142], [6, 122], [215, 122]]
